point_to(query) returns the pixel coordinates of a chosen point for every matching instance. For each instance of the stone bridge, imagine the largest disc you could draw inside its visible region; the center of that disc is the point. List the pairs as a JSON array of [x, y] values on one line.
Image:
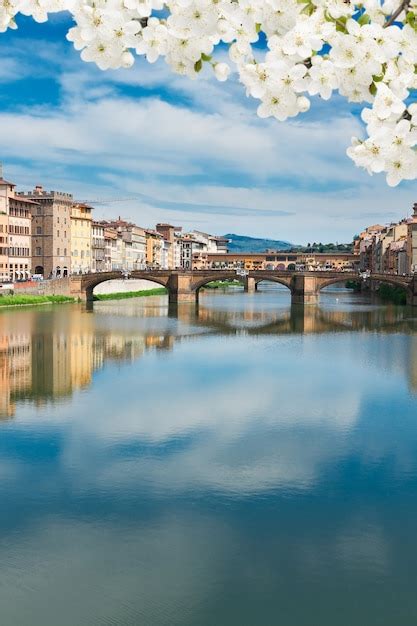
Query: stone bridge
[[183, 285]]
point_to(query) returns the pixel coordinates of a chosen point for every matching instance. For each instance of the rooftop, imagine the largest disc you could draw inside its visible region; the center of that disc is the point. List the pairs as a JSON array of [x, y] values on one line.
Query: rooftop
[[6, 182]]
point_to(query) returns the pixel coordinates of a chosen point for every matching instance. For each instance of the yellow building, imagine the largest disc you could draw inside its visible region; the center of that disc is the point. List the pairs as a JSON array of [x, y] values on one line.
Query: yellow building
[[154, 243], [81, 238]]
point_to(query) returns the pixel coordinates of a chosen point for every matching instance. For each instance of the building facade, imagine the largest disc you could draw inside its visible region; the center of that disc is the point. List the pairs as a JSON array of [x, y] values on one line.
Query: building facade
[[81, 238], [154, 243], [15, 234], [4, 229], [51, 231], [168, 248], [97, 247], [389, 249], [412, 241], [110, 249], [277, 261]]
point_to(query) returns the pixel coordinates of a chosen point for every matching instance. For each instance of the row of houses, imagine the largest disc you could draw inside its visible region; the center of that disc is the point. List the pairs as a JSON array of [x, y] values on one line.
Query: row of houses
[[48, 233], [389, 249]]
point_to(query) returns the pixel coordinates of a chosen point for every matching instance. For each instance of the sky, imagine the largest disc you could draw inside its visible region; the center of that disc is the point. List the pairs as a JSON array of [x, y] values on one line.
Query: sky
[[152, 146]]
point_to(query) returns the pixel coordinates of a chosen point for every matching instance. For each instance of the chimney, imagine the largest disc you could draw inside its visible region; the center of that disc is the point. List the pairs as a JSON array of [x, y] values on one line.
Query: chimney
[[1, 170], [38, 189], [415, 209]]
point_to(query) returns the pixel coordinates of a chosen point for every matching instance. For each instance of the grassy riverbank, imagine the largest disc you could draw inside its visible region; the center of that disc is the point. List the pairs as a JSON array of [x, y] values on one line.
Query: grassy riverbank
[[25, 300], [122, 295], [218, 284]]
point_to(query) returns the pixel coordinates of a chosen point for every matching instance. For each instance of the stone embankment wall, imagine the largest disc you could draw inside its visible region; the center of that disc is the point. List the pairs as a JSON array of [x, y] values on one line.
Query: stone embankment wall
[[57, 287], [62, 287]]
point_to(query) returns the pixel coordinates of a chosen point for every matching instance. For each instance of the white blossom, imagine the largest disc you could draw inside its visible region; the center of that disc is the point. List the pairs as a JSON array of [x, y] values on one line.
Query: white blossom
[[282, 51]]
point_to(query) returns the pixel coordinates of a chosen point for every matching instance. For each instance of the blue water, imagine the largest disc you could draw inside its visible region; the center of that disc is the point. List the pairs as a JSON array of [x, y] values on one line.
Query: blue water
[[246, 463]]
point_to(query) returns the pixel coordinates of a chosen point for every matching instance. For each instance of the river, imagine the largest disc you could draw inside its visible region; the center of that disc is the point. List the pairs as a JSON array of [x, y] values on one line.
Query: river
[[243, 463]]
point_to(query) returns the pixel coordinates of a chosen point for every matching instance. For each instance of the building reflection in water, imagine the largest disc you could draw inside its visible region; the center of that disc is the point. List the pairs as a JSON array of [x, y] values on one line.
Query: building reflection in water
[[47, 355]]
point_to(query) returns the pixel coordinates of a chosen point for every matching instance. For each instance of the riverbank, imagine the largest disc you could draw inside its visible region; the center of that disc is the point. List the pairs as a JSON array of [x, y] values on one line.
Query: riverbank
[[391, 293], [122, 295], [388, 293], [355, 285], [6, 301]]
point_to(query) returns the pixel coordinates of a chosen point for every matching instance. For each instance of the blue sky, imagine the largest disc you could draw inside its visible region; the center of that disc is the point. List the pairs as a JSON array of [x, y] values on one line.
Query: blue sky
[[193, 153]]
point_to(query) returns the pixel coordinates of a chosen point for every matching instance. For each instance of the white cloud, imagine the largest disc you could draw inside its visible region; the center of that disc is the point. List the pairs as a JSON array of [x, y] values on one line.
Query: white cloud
[[203, 146]]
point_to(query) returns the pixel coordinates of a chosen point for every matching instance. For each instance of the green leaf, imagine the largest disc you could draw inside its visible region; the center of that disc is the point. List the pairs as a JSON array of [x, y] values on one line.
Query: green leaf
[[364, 19], [377, 79], [258, 28], [206, 57], [198, 65], [373, 89]]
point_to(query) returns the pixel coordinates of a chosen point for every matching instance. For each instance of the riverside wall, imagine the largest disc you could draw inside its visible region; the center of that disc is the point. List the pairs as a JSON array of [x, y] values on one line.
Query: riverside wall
[[62, 287], [55, 287]]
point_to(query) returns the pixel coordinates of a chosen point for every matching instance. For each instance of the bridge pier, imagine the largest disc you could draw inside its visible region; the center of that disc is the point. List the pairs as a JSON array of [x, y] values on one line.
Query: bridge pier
[[304, 290], [180, 289], [250, 285], [412, 292]]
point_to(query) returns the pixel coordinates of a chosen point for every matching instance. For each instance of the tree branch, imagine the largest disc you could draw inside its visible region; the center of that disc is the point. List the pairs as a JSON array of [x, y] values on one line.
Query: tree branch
[[403, 7]]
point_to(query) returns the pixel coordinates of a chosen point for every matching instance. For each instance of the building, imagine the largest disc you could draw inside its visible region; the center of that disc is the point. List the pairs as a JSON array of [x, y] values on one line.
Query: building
[[135, 246], [4, 229], [111, 252], [369, 255], [97, 247], [168, 248], [390, 249], [81, 238], [185, 246], [197, 243], [412, 242], [15, 234], [340, 261], [51, 231], [132, 246], [154, 243], [167, 254]]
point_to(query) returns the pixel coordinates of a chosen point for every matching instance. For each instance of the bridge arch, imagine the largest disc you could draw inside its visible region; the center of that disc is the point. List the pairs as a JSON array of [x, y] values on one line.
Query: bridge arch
[[216, 276], [393, 279], [90, 282], [231, 275], [285, 282]]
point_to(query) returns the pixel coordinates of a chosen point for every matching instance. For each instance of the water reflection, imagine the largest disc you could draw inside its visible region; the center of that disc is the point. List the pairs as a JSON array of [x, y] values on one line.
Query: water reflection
[[49, 355], [244, 462]]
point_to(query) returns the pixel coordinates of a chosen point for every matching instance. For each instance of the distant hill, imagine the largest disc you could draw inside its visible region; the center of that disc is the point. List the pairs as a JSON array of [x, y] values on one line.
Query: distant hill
[[241, 243]]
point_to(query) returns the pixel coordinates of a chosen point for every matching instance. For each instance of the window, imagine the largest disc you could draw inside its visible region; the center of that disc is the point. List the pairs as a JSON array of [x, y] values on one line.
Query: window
[[58, 251], [38, 251], [39, 230], [38, 210]]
